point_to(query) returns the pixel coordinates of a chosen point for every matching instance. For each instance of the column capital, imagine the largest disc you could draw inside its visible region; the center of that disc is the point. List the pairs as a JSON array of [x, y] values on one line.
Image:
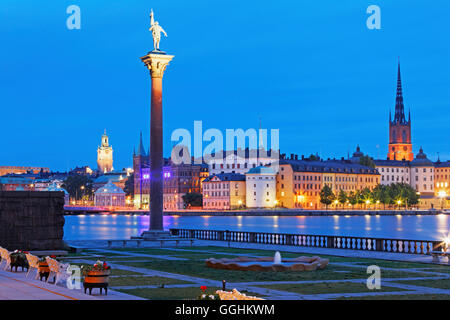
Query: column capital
[[156, 63]]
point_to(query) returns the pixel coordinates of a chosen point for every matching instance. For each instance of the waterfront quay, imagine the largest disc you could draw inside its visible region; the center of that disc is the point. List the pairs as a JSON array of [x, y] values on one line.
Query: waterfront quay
[[256, 212]]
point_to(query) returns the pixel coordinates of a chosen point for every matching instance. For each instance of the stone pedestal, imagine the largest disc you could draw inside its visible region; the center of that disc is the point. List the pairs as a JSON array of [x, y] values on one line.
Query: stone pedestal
[[156, 62], [155, 234]]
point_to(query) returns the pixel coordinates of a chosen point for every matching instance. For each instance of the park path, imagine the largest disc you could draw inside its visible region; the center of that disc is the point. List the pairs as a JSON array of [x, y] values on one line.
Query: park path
[[273, 294]]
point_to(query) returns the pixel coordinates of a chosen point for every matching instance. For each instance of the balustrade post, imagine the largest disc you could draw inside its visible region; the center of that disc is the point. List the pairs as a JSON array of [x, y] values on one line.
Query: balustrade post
[[330, 242]]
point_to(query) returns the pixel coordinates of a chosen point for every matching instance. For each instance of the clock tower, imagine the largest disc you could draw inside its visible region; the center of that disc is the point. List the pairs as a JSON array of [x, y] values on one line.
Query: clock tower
[[104, 155]]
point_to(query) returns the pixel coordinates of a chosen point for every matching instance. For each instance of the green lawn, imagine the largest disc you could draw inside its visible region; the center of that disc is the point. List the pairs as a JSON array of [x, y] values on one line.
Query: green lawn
[[440, 284], [190, 293], [199, 269], [143, 281], [195, 266], [327, 287]]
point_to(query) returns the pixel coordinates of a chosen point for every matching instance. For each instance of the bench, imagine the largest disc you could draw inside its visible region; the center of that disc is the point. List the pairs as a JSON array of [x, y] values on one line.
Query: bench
[[176, 240], [124, 242], [437, 254]]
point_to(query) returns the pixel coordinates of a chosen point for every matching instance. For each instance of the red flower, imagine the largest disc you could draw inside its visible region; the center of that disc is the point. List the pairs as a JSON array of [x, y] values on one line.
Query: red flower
[[203, 288], [52, 256], [26, 252]]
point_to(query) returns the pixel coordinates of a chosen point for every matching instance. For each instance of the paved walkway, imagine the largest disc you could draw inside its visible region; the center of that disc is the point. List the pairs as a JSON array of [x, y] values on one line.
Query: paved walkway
[[15, 286]]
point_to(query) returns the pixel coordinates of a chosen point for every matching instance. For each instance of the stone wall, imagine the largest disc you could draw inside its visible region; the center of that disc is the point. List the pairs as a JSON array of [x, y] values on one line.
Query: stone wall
[[31, 220]]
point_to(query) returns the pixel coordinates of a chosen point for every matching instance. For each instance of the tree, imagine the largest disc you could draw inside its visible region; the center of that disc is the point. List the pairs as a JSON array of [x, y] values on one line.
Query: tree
[[366, 196], [192, 199], [129, 186], [367, 161], [327, 196], [78, 186], [342, 197], [352, 198], [313, 158]]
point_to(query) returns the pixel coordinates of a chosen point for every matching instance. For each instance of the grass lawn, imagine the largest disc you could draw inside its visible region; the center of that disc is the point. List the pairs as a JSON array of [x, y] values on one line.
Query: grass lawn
[[199, 269], [143, 281], [399, 264], [440, 284], [190, 293], [327, 287]]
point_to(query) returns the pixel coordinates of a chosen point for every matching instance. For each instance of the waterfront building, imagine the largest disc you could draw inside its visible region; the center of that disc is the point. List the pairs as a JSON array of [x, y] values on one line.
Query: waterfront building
[[4, 170], [118, 178], [442, 183], [16, 183], [239, 161], [109, 195], [400, 144], [422, 179], [55, 187], [299, 182], [179, 179], [82, 171], [261, 187], [105, 155], [393, 171], [224, 191]]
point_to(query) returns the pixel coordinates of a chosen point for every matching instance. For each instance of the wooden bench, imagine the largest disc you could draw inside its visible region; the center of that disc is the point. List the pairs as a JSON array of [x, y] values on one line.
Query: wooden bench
[[176, 240], [124, 242], [437, 254]]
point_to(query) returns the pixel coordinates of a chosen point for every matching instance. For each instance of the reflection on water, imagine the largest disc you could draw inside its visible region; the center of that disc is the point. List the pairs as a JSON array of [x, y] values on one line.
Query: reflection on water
[[89, 227]]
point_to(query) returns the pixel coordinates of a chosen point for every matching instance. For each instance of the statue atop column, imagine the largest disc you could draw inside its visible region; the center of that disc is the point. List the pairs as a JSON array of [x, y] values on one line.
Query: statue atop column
[[156, 30]]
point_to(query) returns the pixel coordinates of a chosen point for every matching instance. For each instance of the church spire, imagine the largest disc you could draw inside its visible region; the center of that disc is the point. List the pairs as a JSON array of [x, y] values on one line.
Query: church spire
[[141, 150], [399, 116]]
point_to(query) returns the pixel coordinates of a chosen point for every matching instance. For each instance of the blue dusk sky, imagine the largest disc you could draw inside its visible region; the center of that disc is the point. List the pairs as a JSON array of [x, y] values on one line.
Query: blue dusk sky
[[311, 69]]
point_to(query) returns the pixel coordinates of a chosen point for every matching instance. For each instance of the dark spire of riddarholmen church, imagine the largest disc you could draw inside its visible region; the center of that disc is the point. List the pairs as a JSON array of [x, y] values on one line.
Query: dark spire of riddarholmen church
[[141, 150], [399, 117]]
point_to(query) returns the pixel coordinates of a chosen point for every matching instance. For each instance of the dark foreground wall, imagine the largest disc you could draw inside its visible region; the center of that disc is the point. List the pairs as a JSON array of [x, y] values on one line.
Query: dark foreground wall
[[31, 220]]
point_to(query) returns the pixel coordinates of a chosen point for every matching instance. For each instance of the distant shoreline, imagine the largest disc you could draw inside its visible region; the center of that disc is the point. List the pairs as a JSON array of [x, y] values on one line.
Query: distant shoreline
[[265, 213]]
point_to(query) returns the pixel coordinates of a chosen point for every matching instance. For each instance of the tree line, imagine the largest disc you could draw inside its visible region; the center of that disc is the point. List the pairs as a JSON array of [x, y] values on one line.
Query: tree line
[[394, 195]]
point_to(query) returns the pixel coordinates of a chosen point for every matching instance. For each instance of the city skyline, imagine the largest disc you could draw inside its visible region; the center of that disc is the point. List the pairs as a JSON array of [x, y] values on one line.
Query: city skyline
[[333, 101]]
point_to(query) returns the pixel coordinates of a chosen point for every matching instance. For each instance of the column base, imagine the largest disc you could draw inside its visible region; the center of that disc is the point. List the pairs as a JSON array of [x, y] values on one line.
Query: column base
[[155, 234]]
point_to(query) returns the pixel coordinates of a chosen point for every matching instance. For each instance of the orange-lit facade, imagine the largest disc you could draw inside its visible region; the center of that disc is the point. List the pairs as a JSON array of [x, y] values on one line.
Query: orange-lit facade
[[442, 184], [20, 170], [299, 182]]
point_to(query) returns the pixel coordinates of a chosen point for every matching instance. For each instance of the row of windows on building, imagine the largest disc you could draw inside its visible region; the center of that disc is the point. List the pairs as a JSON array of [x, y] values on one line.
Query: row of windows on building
[[219, 193], [236, 166], [209, 186], [219, 204], [424, 187], [393, 178], [395, 170], [260, 178]]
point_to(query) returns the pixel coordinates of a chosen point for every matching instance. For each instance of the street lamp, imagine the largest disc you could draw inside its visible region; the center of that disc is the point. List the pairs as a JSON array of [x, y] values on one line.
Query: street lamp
[[442, 194]]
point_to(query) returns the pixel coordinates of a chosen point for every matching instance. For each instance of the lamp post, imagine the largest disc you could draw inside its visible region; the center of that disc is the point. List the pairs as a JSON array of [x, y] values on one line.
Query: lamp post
[[442, 194]]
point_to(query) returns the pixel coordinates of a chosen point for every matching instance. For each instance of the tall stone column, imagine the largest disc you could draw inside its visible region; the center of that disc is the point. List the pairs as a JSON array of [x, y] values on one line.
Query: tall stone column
[[156, 62]]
